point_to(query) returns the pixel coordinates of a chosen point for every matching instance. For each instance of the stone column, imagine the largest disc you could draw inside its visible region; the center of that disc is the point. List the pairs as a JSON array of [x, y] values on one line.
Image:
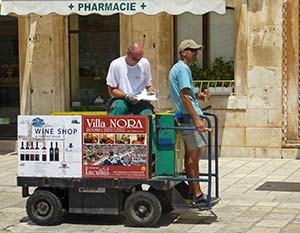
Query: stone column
[[264, 114], [156, 35], [290, 73], [44, 66]]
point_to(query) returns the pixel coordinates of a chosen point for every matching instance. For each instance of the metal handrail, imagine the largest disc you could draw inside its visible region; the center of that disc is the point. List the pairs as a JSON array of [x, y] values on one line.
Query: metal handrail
[[209, 173], [223, 85]]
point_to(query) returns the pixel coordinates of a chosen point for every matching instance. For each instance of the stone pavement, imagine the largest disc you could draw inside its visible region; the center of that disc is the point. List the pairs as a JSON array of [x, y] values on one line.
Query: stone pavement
[[241, 209]]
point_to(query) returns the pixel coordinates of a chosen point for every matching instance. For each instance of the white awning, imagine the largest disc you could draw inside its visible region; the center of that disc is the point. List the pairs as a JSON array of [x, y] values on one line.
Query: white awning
[[109, 7]]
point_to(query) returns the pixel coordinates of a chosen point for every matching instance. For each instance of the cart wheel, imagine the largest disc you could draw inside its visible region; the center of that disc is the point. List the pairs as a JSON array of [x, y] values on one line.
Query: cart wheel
[[142, 209], [44, 208]]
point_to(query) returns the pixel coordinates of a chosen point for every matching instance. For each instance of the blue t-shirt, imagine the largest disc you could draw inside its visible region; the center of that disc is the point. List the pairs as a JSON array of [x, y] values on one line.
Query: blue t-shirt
[[180, 77]]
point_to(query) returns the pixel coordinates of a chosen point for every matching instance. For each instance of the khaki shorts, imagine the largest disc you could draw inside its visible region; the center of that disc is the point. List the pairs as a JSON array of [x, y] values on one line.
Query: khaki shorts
[[192, 138]]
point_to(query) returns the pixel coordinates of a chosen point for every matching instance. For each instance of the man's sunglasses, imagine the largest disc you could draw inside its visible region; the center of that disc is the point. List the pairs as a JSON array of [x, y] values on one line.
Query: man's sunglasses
[[192, 50], [136, 59]]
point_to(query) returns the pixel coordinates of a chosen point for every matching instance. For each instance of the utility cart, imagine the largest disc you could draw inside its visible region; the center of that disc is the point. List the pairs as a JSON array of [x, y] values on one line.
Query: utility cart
[[99, 164]]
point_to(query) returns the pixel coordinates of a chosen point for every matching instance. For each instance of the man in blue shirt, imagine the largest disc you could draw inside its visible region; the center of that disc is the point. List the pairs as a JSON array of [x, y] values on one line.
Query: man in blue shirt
[[184, 99]]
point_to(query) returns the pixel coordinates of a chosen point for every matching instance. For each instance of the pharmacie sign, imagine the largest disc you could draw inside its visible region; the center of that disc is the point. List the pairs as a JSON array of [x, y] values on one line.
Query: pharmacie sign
[[109, 7]]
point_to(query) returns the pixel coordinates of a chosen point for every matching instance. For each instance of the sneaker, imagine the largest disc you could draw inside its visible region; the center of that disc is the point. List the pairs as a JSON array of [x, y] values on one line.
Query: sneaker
[[200, 200]]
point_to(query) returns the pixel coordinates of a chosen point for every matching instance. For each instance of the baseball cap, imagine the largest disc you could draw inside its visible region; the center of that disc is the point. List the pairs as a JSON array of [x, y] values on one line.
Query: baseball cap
[[189, 44]]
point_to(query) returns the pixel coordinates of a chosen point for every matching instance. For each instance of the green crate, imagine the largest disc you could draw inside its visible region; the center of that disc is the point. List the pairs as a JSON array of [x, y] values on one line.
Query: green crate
[[165, 159]]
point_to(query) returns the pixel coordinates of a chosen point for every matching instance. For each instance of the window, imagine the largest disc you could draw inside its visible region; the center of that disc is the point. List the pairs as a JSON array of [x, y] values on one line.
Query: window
[[94, 43], [220, 39], [216, 33]]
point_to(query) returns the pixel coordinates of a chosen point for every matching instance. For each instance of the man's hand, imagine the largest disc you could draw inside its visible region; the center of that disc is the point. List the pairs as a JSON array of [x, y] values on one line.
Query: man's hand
[[131, 99], [200, 125], [152, 92]]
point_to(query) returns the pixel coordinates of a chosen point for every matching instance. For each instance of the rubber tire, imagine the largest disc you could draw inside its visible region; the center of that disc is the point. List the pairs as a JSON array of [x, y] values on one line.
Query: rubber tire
[[142, 199], [49, 201]]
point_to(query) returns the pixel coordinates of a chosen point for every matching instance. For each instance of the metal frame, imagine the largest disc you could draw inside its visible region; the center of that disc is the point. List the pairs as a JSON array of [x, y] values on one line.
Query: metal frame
[[209, 173]]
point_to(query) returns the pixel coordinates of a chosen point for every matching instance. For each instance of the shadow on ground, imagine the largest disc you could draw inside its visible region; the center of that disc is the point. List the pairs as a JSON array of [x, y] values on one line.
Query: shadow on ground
[[190, 217], [196, 217]]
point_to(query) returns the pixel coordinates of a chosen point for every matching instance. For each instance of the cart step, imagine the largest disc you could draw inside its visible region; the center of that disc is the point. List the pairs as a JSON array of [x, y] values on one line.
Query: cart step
[[203, 206]]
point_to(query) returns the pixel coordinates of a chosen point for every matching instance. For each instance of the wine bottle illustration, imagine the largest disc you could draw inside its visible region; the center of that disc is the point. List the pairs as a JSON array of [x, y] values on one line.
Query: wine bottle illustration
[[22, 155], [51, 152], [27, 151], [37, 152], [44, 152], [31, 152], [56, 152]]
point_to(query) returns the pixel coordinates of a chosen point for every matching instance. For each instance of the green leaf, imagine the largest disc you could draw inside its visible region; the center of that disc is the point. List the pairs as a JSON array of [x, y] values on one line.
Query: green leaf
[[220, 70]]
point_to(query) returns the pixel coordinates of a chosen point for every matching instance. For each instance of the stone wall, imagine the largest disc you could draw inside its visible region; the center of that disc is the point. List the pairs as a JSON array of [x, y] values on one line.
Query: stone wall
[[251, 120], [156, 35]]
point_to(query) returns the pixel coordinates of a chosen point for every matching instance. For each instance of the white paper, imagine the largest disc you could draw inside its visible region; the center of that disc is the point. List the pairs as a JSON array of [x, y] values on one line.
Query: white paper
[[145, 96]]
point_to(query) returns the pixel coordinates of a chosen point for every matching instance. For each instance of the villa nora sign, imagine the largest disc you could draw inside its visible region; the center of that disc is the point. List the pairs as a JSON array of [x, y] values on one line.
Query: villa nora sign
[[109, 7], [115, 147]]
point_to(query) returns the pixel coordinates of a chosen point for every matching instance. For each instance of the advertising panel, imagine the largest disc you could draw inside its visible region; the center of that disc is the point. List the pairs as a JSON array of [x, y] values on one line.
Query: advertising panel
[[115, 147], [49, 146]]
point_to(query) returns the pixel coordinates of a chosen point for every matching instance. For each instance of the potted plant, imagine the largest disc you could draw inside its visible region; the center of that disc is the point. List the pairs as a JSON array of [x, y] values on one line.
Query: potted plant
[[218, 79]]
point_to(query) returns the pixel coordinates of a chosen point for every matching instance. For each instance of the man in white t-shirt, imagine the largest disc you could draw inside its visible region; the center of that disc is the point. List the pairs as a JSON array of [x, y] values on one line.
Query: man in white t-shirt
[[128, 76]]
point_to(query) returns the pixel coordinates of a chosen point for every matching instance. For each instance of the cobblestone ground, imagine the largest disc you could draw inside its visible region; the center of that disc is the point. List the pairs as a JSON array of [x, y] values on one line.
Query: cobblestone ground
[[242, 208]]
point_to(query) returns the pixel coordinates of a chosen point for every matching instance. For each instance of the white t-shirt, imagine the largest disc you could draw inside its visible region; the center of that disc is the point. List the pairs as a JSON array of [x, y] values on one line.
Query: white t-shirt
[[129, 79]]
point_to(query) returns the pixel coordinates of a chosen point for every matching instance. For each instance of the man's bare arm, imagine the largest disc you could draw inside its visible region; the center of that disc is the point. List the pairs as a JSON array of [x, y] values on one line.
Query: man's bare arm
[[150, 87], [115, 92], [199, 124]]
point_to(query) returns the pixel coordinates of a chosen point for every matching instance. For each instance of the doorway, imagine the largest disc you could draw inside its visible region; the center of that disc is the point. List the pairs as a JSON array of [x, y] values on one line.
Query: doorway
[[9, 77], [94, 43]]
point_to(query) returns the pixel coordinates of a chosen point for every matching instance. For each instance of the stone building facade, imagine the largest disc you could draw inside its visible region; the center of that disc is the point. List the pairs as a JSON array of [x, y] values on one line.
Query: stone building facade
[[261, 119]]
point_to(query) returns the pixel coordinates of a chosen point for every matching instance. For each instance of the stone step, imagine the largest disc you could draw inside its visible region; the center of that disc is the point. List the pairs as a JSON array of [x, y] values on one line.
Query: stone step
[[7, 146]]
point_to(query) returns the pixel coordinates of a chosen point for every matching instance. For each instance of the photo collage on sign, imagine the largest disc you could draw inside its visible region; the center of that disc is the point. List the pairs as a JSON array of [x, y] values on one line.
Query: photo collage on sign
[[114, 149]]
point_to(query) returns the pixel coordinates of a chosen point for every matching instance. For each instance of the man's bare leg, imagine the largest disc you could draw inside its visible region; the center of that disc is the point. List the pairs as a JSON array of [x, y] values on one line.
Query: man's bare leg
[[191, 164]]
